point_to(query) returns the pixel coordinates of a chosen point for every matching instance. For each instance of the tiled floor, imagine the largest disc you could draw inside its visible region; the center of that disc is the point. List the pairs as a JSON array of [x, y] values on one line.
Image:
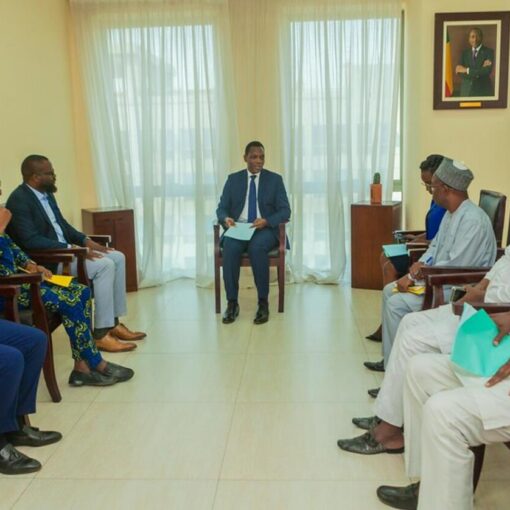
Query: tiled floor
[[226, 417]]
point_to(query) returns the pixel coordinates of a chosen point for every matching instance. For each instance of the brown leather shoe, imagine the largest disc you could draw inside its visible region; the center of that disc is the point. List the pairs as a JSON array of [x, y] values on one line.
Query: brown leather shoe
[[111, 344], [122, 332]]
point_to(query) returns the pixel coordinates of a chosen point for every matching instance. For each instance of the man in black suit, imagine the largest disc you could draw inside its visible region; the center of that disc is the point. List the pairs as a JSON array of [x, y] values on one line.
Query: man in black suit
[[38, 224], [257, 196], [476, 67]]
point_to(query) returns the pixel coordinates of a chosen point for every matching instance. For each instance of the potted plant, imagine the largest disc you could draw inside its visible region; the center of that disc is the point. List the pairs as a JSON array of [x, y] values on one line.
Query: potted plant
[[376, 189]]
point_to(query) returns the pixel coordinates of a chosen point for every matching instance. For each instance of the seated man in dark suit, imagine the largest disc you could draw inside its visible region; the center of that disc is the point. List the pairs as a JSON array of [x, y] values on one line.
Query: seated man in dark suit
[[256, 196], [22, 353], [38, 224]]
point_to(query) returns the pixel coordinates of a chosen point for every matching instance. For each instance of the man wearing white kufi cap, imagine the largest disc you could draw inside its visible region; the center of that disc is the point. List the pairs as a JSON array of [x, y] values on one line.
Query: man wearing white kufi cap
[[465, 238]]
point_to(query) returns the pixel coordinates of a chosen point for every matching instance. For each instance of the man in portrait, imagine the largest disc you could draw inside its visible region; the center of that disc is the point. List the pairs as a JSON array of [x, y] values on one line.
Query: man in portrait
[[475, 67]]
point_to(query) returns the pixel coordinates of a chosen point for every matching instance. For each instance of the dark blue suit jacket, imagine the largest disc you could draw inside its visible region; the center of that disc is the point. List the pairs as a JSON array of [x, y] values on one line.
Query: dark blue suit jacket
[[271, 197], [30, 226]]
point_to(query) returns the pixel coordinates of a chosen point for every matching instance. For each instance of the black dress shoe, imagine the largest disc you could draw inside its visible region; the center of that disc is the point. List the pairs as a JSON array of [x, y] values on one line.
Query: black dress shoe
[[405, 498], [231, 312], [376, 366], [93, 378], [262, 314], [366, 423], [365, 445], [13, 462], [117, 372], [32, 436], [373, 392]]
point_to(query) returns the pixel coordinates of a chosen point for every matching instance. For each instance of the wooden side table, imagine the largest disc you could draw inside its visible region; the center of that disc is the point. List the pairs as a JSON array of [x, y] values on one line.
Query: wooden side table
[[371, 226], [119, 223]]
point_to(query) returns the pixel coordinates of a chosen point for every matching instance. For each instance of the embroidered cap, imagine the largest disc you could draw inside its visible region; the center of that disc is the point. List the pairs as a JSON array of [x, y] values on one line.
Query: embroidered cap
[[454, 174]]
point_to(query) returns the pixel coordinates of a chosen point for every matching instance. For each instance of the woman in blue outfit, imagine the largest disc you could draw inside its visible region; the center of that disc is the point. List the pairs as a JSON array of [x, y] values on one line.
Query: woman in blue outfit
[[72, 304], [395, 267]]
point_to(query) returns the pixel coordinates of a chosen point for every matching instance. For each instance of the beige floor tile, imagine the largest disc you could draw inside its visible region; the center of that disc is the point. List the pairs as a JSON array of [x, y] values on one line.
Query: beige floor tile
[[179, 378], [11, 489], [275, 441], [496, 465], [314, 377], [208, 335], [297, 495], [304, 335], [144, 441], [61, 417], [117, 495], [492, 495]]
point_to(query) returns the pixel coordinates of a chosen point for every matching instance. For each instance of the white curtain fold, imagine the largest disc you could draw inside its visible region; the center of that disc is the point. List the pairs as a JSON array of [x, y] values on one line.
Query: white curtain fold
[[340, 72], [163, 126]]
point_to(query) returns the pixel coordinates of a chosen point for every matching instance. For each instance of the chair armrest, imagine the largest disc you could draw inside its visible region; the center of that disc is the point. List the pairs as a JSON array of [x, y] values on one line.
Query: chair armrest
[[105, 240], [19, 279], [417, 245], [488, 307], [76, 251], [216, 231], [437, 277], [52, 258], [10, 293], [408, 232]]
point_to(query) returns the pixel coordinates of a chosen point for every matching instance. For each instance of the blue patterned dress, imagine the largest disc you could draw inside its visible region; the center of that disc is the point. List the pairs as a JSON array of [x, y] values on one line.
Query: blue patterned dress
[[71, 303]]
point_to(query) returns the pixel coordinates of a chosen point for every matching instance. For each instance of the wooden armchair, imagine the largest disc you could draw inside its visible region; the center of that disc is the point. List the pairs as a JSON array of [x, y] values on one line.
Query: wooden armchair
[[36, 316], [276, 259]]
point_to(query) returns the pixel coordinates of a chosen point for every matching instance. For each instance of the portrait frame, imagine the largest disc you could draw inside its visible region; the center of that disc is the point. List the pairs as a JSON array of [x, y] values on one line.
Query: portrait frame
[[487, 84]]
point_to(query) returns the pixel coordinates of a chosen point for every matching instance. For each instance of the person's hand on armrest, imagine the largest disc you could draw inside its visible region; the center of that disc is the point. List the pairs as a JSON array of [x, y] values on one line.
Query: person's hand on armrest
[[475, 294]]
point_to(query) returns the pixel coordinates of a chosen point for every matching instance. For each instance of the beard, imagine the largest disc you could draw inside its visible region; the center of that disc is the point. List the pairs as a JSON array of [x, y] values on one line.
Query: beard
[[50, 188]]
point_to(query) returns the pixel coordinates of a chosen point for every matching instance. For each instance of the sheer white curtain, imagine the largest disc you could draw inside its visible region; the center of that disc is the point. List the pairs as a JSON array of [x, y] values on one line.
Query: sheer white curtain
[[158, 92], [340, 72]]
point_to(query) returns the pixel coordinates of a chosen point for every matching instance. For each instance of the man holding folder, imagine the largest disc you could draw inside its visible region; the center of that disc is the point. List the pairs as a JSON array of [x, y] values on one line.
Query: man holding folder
[[255, 196]]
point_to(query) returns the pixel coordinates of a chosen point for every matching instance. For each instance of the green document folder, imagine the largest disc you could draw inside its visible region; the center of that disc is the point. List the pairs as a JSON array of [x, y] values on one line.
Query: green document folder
[[241, 231], [473, 349], [394, 250]]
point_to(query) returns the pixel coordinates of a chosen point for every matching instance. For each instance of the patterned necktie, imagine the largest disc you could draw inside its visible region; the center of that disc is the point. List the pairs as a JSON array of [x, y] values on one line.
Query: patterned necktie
[[252, 200], [473, 55]]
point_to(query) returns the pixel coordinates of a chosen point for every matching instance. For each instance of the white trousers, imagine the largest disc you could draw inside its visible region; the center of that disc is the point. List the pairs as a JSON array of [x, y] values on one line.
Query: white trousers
[[108, 276], [419, 332], [442, 420], [395, 305]]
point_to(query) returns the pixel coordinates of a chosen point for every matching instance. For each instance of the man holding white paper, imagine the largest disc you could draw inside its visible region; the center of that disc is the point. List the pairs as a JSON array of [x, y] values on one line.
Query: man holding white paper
[[255, 196]]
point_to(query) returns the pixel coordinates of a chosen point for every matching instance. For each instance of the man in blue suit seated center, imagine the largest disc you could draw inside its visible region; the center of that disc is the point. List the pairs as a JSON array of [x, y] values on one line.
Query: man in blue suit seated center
[[257, 196]]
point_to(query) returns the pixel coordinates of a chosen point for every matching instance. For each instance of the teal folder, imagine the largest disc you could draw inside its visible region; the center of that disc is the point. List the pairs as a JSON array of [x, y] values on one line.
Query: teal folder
[[473, 349], [394, 250]]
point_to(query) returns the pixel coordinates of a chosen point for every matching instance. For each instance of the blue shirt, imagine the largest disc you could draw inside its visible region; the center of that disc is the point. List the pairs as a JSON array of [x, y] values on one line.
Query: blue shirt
[[43, 198], [433, 220]]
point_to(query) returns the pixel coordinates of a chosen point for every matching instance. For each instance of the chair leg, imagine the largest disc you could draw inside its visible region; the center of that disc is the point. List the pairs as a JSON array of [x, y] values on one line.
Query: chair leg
[[49, 373], [479, 453], [217, 287], [281, 287]]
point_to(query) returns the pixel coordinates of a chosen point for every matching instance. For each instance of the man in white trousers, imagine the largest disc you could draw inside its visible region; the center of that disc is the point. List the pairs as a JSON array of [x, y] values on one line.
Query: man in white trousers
[[444, 417], [430, 331]]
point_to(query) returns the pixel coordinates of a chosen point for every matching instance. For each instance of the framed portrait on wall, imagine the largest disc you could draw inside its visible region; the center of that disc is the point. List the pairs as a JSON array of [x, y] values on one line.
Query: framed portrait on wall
[[471, 60]]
